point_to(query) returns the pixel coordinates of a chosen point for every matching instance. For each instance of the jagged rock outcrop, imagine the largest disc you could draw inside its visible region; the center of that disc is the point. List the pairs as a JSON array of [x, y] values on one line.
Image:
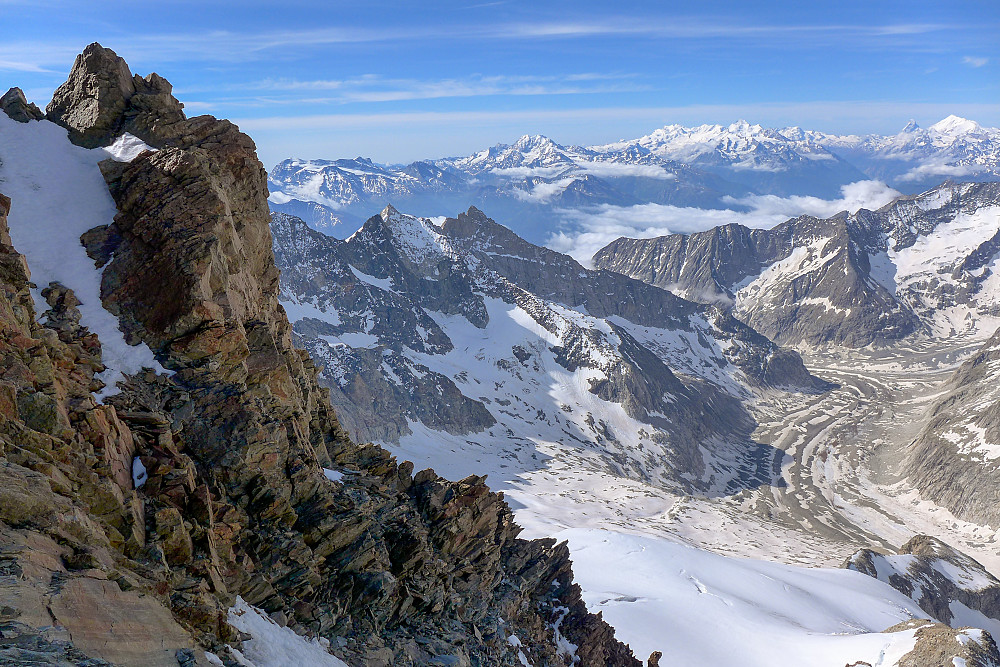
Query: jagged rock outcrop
[[101, 100], [74, 586], [946, 583], [392, 568], [938, 645], [16, 106]]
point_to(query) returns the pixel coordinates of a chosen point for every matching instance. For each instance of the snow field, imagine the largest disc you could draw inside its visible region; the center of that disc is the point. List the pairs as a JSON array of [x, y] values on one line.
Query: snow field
[[57, 193]]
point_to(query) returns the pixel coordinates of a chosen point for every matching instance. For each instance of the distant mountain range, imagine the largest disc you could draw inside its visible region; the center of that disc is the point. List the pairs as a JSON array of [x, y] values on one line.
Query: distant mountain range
[[526, 183]]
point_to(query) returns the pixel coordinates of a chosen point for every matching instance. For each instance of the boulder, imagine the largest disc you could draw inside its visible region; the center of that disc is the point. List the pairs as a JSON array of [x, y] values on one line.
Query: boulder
[[14, 104]]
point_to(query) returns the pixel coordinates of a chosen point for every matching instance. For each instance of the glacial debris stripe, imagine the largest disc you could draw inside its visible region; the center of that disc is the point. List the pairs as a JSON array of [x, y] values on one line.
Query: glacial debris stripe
[[137, 524]]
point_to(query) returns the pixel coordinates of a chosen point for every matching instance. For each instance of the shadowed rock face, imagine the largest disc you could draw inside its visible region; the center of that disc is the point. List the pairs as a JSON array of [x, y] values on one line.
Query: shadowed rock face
[[824, 295], [810, 281], [236, 501], [14, 104]]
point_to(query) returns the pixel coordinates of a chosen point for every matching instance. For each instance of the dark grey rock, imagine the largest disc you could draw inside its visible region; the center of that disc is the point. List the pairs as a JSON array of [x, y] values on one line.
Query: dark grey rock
[[832, 294], [949, 461], [16, 106], [382, 283]]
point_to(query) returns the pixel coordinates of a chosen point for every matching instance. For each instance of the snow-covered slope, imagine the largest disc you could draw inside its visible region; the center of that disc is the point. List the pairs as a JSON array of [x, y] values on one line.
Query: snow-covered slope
[[515, 353], [700, 608], [57, 193], [758, 157], [580, 393]]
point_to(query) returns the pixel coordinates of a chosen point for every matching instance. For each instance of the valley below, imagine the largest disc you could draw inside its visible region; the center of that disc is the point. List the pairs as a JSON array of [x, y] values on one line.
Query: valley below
[[838, 486], [642, 553]]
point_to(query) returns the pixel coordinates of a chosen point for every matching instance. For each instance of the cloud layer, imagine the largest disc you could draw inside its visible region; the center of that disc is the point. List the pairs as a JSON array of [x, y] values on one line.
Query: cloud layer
[[588, 230]]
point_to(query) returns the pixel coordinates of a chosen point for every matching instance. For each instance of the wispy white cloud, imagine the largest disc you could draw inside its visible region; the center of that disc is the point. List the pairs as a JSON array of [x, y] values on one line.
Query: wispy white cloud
[[701, 29], [618, 170], [544, 191], [21, 66], [588, 230], [372, 88], [248, 46], [600, 169], [854, 196], [530, 172], [975, 61], [940, 169]]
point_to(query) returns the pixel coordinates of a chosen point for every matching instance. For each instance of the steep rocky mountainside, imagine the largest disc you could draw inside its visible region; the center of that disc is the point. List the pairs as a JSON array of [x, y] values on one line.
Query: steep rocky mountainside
[[955, 460], [947, 584], [184, 490], [925, 263], [950, 587], [464, 328]]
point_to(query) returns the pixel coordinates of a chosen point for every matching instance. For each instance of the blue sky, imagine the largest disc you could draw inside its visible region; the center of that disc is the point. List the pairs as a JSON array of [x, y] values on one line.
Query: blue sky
[[398, 81]]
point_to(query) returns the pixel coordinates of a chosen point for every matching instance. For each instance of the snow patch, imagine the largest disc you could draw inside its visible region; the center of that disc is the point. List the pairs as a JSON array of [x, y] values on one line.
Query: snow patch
[[57, 193], [333, 475], [271, 645], [139, 475]]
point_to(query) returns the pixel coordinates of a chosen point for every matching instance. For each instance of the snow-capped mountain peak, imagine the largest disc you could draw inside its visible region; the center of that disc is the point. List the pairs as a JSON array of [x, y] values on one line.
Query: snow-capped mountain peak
[[529, 142], [955, 125], [534, 181]]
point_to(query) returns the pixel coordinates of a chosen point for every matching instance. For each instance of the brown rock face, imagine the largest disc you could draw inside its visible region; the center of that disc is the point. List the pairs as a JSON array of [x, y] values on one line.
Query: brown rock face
[[91, 102], [394, 569], [101, 100], [68, 513], [938, 645]]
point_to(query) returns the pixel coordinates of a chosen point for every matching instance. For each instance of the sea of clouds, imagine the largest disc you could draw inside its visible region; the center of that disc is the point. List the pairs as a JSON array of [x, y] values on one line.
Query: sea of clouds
[[584, 231]]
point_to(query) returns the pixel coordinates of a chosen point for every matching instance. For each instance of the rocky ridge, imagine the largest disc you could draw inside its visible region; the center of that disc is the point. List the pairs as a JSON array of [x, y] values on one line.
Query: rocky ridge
[[444, 325], [392, 568], [947, 584], [920, 264]]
